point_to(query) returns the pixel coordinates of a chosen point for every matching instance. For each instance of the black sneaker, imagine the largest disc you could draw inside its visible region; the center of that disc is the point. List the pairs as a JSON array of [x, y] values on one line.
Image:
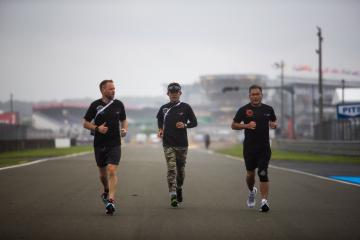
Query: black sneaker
[[110, 207], [264, 206], [174, 202], [179, 196], [105, 197]]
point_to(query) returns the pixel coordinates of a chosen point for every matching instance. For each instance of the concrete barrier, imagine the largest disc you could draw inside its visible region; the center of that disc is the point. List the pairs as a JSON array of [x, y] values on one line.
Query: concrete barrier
[[26, 144], [344, 148]]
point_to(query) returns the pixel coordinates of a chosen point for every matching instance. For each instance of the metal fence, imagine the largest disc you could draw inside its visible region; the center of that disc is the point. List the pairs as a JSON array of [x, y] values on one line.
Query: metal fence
[[16, 145], [343, 148], [21, 132], [341, 130]]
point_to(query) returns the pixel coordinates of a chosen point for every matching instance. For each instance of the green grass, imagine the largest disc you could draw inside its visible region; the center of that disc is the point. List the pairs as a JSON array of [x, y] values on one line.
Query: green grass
[[237, 151], [24, 156]]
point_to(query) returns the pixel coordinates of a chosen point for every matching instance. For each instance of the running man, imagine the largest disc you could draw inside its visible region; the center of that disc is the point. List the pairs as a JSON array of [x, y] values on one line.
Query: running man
[[256, 118], [102, 118], [173, 120]]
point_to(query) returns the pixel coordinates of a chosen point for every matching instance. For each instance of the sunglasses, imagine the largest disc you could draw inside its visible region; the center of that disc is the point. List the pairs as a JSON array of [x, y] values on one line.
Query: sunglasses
[[174, 88]]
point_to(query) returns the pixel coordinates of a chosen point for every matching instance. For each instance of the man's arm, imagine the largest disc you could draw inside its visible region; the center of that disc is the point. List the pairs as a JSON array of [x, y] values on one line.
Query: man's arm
[[240, 126], [192, 119], [160, 132], [101, 129], [124, 127], [88, 125], [160, 122], [272, 122]]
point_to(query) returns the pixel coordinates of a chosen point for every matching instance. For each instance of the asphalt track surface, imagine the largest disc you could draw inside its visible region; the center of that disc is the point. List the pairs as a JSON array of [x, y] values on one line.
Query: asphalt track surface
[[60, 200]]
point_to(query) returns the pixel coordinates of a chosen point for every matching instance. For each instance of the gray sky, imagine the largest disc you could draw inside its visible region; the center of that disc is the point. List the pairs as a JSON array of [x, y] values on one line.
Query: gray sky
[[51, 50]]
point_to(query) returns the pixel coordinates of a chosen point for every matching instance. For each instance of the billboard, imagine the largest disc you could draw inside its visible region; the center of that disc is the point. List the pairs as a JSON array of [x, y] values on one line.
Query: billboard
[[348, 110], [9, 118]]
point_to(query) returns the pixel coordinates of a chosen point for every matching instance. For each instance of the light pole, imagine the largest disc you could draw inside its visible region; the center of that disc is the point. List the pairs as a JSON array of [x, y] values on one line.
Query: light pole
[[281, 66], [11, 103], [319, 52], [342, 91]]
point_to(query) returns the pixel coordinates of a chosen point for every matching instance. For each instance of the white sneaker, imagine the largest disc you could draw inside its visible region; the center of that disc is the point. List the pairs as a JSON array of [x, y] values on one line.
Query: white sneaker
[[251, 199], [264, 206]]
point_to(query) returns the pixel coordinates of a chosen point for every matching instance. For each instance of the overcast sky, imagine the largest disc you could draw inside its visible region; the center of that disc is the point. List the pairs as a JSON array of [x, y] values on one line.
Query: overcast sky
[[52, 50]]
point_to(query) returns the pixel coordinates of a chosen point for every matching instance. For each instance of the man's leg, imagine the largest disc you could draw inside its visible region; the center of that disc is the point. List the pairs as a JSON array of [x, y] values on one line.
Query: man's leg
[[264, 190], [112, 159], [112, 179], [104, 178], [250, 179], [264, 179], [100, 161], [170, 156], [181, 154]]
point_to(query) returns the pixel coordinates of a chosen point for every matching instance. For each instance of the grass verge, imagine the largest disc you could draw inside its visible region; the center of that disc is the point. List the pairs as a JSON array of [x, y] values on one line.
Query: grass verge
[[237, 151], [24, 156]]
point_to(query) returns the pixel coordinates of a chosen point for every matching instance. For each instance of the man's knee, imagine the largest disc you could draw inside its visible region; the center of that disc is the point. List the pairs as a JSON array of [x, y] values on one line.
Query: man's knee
[[263, 175], [250, 174], [111, 169]]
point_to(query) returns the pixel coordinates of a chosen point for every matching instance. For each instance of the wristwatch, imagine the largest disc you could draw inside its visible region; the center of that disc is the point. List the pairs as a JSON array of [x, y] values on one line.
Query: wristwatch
[[185, 125]]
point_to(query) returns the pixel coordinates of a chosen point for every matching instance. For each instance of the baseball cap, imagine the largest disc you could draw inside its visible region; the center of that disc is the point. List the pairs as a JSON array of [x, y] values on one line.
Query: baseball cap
[[174, 87]]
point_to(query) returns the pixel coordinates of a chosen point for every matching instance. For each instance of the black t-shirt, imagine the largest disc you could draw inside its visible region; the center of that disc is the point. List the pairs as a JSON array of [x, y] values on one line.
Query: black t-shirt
[[257, 138], [179, 112], [112, 115]]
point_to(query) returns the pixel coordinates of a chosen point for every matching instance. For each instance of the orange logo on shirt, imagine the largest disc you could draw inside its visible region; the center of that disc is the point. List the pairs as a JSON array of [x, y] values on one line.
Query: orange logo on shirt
[[249, 113]]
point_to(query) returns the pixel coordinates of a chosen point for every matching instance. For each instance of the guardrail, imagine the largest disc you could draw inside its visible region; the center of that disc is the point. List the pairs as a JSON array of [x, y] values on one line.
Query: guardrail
[[26, 144], [344, 148]]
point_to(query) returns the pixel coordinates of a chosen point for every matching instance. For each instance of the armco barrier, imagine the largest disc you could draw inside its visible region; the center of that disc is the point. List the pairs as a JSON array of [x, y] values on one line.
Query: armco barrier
[[16, 145], [345, 148]]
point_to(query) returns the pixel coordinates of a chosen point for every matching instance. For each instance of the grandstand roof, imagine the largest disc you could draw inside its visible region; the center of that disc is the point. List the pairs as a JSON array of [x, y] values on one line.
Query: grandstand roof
[[47, 106]]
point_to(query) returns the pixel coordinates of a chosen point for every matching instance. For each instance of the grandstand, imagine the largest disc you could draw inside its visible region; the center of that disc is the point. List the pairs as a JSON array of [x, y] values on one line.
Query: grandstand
[[64, 120], [227, 92]]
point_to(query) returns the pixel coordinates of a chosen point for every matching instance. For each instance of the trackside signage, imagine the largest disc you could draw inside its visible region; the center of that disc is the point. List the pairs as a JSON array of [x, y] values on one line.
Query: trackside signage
[[348, 110]]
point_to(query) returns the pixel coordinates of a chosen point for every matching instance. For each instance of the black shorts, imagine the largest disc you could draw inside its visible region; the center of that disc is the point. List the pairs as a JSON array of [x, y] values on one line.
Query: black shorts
[[256, 159], [107, 155]]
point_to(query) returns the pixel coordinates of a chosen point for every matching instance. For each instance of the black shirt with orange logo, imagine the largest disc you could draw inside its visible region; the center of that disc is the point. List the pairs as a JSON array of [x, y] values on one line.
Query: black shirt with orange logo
[[257, 138]]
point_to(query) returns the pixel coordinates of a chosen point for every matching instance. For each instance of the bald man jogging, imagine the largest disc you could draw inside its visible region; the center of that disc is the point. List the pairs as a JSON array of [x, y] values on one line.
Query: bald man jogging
[[256, 118]]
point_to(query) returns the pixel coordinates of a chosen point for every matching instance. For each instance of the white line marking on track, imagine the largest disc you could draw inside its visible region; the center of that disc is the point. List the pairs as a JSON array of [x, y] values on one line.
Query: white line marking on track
[[293, 171], [43, 160]]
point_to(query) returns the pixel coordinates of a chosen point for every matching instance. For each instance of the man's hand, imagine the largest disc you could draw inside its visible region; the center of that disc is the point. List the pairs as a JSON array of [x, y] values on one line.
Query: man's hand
[[273, 125], [251, 125], [103, 128], [123, 132], [160, 133], [180, 125]]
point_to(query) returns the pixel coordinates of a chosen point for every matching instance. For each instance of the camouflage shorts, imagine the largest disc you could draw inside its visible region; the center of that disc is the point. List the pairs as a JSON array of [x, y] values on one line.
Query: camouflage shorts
[[176, 160]]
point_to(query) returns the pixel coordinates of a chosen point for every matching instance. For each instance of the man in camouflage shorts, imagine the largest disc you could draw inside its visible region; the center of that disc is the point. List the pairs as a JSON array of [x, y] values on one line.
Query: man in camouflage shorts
[[173, 120]]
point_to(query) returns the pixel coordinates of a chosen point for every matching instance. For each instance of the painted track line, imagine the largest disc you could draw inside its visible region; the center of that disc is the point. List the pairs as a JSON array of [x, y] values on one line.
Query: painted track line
[[44, 160], [293, 171]]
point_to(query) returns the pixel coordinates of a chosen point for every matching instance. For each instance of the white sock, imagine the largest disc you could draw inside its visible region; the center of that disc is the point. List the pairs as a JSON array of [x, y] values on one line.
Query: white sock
[[172, 194]]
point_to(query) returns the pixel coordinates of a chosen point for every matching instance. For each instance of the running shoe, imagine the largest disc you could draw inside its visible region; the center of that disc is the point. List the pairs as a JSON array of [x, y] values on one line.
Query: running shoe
[[174, 202], [264, 206], [251, 199], [179, 196], [105, 197], [110, 207]]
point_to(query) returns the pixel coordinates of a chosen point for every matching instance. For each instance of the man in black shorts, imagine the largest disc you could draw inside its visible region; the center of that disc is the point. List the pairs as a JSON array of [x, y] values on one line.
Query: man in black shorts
[[102, 118], [256, 118], [173, 119]]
